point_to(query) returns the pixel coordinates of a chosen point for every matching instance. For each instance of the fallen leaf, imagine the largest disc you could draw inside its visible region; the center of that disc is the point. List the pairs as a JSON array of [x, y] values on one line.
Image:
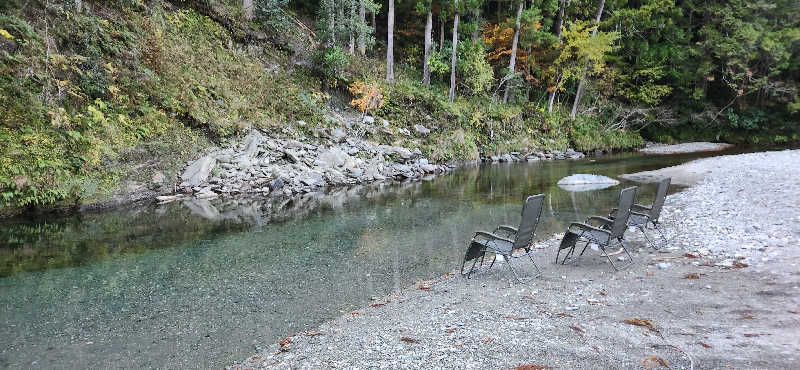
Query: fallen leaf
[[650, 273], [748, 316], [602, 293], [564, 314], [596, 348], [577, 330], [513, 317], [532, 367], [312, 333], [690, 255], [692, 276], [738, 265], [378, 304], [355, 313], [424, 287], [487, 339], [647, 323], [593, 301], [646, 333], [652, 362], [409, 340], [286, 342], [793, 311], [451, 330], [704, 345]]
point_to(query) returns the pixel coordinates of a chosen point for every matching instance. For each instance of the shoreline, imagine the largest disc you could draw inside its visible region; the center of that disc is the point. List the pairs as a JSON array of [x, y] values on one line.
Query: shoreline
[[739, 264]]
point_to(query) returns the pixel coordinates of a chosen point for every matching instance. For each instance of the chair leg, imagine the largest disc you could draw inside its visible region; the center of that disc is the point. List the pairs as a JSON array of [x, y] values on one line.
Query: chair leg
[[493, 261], [630, 258], [661, 232], [605, 253], [650, 242], [584, 248], [538, 271], [513, 270]]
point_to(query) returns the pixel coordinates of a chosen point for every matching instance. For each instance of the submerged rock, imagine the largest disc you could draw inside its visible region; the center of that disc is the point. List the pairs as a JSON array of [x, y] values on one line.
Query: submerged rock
[[586, 182]]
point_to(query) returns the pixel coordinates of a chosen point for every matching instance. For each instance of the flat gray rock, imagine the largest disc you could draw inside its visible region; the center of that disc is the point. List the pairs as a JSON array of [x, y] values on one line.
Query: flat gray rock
[[586, 182], [197, 172]]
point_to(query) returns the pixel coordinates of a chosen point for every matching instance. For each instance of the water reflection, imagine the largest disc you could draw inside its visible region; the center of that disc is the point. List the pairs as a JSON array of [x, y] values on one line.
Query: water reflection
[[198, 284]]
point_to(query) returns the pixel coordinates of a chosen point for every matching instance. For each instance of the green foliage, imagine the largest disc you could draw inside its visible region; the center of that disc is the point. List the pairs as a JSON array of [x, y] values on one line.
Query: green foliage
[[588, 134], [271, 13], [477, 74], [334, 61], [456, 145], [71, 119], [580, 47]]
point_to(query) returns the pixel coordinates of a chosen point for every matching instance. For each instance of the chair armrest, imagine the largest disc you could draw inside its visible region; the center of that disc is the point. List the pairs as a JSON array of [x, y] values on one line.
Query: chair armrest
[[582, 226], [641, 208], [491, 236], [505, 229], [601, 220], [640, 214]]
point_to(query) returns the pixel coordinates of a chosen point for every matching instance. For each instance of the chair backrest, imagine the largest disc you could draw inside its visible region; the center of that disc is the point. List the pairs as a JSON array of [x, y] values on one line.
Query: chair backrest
[[661, 195], [626, 197], [531, 212]]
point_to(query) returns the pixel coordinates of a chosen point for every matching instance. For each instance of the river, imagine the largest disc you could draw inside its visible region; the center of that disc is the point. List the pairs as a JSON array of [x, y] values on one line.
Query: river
[[202, 284]]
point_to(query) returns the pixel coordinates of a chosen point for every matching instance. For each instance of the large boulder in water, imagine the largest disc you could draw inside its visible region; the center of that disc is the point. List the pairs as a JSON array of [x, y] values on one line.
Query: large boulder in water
[[586, 182]]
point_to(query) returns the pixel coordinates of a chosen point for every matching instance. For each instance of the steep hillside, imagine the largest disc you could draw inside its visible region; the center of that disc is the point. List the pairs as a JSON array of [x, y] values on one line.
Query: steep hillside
[[108, 102]]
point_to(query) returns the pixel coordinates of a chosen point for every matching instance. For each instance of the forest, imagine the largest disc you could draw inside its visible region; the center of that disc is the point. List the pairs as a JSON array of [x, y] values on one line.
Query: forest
[[96, 94]]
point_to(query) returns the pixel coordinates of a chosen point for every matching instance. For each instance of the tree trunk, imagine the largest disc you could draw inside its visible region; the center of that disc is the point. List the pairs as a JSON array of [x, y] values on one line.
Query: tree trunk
[[559, 23], [476, 33], [390, 44], [579, 93], [454, 59], [374, 25], [426, 70], [247, 5], [441, 33], [351, 16], [78, 6], [342, 23], [362, 37], [331, 26], [512, 63]]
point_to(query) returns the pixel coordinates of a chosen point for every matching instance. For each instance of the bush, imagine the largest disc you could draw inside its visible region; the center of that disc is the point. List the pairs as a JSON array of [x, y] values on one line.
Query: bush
[[588, 134]]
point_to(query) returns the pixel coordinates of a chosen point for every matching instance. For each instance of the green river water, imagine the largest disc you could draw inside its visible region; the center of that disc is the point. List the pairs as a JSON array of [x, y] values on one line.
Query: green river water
[[202, 284]]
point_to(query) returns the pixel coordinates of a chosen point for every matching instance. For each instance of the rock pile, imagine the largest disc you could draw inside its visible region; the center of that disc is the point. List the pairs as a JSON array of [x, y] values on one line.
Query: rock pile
[[261, 164], [534, 156]]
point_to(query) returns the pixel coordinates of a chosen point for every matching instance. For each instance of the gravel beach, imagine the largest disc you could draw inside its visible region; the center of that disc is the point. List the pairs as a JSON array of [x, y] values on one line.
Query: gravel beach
[[724, 293]]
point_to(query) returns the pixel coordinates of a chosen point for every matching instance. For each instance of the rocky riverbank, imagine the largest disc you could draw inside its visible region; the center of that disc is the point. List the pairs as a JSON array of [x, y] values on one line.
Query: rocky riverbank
[[658, 148], [307, 159], [722, 294]]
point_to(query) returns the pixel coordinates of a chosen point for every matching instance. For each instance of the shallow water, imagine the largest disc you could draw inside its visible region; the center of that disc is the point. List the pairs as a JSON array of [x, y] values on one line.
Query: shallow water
[[202, 284]]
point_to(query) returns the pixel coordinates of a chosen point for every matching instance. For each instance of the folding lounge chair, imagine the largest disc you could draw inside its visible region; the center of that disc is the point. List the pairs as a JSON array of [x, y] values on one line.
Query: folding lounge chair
[[644, 216], [609, 233], [505, 239]]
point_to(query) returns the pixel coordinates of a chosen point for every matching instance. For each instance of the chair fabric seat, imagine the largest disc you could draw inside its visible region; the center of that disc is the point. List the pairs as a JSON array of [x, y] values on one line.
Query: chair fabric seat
[[591, 234], [637, 220], [500, 245]]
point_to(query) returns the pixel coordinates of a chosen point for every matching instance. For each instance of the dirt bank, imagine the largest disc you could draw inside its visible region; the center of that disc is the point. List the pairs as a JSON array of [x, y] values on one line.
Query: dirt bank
[[724, 293]]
